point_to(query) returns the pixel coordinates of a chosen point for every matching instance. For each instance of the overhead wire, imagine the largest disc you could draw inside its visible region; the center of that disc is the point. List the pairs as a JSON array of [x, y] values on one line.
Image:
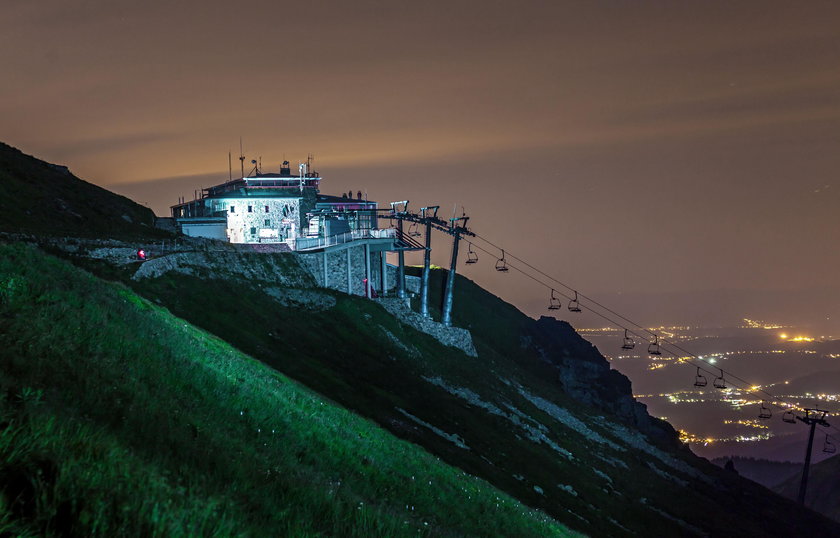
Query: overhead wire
[[664, 343]]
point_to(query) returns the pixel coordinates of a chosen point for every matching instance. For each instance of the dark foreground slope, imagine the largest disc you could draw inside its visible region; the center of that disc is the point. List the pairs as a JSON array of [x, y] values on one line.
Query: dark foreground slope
[[118, 419], [43, 198], [538, 413]]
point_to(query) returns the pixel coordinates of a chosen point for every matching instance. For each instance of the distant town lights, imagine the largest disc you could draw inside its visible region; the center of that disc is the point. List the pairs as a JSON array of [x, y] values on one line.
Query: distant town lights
[[801, 339]]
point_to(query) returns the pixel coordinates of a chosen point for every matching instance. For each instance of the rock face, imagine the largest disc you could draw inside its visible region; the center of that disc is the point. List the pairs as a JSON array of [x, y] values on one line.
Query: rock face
[[586, 376]]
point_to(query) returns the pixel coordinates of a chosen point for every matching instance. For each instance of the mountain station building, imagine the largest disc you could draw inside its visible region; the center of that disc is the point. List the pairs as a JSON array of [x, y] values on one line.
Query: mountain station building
[[278, 208], [340, 235]]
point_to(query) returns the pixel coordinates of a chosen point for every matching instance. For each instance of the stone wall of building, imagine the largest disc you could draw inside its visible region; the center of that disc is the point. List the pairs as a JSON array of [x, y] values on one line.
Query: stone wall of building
[[412, 283], [261, 220]]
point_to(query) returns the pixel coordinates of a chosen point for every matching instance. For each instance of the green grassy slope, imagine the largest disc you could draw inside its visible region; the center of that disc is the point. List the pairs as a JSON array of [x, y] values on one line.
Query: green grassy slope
[[501, 416], [119, 419], [37, 197]]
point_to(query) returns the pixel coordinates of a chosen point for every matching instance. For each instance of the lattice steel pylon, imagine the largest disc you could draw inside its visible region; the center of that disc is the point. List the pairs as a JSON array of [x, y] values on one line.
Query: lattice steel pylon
[[812, 417]]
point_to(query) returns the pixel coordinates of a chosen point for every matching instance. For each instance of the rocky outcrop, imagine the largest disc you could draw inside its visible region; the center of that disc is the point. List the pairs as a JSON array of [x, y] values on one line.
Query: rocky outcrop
[[282, 269], [586, 376]]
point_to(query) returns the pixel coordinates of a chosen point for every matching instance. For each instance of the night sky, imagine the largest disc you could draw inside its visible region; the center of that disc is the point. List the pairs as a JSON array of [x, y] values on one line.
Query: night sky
[[633, 147]]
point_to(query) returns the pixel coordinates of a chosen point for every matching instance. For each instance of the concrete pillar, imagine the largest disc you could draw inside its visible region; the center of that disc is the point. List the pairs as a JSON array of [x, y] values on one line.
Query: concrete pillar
[[401, 263], [326, 278], [349, 276], [383, 262], [369, 283]]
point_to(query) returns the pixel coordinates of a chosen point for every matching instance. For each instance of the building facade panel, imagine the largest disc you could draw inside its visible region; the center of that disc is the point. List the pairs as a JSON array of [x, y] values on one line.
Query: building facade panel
[[260, 220]]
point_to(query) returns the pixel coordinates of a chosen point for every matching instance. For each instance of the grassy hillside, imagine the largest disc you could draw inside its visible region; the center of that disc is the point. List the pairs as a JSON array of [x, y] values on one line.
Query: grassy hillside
[[119, 419], [546, 348], [504, 415], [38, 197]]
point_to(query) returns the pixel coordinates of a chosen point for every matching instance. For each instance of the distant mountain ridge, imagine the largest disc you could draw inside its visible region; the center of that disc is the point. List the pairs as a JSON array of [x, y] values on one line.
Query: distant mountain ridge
[[768, 473], [823, 493]]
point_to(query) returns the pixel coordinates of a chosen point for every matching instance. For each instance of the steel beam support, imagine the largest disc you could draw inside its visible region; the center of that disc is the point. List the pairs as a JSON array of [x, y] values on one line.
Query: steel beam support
[[450, 283], [424, 281], [803, 485]]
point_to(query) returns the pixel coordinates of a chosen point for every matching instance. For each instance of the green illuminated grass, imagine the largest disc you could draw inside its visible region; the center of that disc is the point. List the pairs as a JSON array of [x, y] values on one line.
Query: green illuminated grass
[[119, 419]]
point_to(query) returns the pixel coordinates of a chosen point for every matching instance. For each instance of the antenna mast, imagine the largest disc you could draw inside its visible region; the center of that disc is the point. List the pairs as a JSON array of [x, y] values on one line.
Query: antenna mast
[[241, 157], [230, 168]]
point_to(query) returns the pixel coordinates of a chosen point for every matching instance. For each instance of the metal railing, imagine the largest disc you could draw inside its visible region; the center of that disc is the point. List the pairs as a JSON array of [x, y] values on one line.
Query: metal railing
[[312, 243]]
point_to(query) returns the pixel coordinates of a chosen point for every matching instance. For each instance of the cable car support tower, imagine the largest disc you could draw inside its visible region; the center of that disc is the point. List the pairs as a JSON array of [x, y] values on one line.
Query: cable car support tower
[[456, 227], [812, 418]]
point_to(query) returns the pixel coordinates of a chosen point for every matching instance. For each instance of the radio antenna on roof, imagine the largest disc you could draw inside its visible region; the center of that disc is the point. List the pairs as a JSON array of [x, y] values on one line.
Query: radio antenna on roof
[[241, 157], [230, 168]]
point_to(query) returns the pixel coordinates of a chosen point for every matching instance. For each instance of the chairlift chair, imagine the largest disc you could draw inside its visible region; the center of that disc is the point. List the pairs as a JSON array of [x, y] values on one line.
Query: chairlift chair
[[628, 342], [472, 257], [700, 379], [553, 302], [653, 347], [829, 447], [574, 304], [501, 264], [719, 382], [789, 417], [764, 412], [413, 231]]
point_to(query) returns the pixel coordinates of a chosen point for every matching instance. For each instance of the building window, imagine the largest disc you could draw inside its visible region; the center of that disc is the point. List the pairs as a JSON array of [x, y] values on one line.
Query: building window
[[267, 223], [266, 209], [250, 209], [253, 231], [233, 209]]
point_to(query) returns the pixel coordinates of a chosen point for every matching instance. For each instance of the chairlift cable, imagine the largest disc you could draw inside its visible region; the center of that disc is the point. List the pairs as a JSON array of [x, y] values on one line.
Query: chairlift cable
[[744, 385]]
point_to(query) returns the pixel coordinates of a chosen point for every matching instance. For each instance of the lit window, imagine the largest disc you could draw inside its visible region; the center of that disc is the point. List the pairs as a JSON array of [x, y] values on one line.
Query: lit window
[[233, 209], [267, 222], [250, 209]]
